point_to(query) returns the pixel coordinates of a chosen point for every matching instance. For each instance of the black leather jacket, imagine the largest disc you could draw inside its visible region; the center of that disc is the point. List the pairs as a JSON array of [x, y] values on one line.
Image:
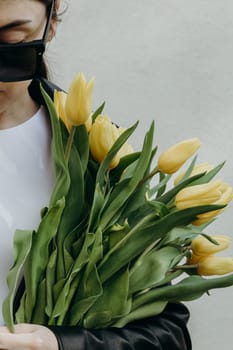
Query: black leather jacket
[[167, 331]]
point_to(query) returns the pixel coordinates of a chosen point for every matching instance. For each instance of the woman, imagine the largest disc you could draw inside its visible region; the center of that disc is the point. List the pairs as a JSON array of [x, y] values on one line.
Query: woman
[[26, 183]]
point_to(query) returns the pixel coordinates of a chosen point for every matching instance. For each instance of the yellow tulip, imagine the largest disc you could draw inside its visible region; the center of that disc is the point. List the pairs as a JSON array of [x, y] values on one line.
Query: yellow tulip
[[103, 134], [88, 123], [225, 198], [202, 246], [174, 157], [193, 260], [198, 169], [203, 194], [79, 100], [214, 265], [59, 103]]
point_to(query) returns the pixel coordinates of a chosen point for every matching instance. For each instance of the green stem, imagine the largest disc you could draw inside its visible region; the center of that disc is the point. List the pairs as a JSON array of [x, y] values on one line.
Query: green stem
[[69, 143], [148, 177], [185, 267]]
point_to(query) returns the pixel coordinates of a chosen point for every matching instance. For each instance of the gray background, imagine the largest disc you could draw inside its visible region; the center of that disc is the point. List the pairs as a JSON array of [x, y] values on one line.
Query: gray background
[[170, 61]]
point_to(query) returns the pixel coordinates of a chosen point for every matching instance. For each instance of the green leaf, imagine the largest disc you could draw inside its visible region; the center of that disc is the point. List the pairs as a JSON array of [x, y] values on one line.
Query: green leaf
[[39, 316], [97, 205], [72, 279], [145, 233], [207, 177], [190, 181], [22, 246], [87, 294], [62, 174], [188, 289], [179, 236], [151, 268], [114, 302], [81, 142], [97, 112], [90, 286], [148, 310], [189, 170], [38, 257], [111, 154], [160, 188], [73, 210], [169, 195], [20, 313], [122, 192], [125, 163]]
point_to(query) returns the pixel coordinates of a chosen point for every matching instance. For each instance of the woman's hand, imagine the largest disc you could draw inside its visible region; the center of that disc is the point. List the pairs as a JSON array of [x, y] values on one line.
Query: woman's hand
[[28, 337]]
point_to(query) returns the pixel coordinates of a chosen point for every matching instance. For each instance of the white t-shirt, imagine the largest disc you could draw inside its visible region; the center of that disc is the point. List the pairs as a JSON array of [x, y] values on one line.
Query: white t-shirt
[[26, 182]]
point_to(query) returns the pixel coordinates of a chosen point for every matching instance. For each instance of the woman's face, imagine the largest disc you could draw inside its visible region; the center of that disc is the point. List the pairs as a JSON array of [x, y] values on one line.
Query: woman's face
[[20, 20]]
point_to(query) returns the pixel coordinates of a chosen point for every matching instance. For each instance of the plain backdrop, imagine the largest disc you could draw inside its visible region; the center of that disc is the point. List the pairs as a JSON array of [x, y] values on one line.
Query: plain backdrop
[[170, 61]]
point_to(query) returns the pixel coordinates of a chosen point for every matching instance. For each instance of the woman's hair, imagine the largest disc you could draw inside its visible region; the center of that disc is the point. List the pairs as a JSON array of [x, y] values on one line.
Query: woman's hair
[[44, 69]]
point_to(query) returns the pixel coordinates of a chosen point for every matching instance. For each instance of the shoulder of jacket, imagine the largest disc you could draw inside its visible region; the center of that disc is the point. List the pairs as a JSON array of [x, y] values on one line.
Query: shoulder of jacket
[[35, 92]]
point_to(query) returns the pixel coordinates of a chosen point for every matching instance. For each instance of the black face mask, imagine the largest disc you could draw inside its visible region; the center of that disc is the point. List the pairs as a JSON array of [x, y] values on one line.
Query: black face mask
[[22, 61]]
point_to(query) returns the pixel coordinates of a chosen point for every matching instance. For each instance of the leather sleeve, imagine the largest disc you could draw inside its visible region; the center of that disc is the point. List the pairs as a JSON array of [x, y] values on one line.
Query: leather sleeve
[[167, 331]]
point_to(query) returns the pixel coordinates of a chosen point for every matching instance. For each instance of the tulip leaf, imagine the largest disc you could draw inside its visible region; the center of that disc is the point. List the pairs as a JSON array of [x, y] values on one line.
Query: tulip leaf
[[90, 286], [190, 288], [97, 112], [149, 207], [88, 293], [62, 174], [149, 269], [122, 192], [113, 151], [189, 170], [72, 213], [170, 195], [114, 301], [160, 188], [142, 235], [22, 246], [98, 202], [38, 257], [39, 316], [125, 162], [81, 142], [179, 236], [72, 279], [207, 177], [148, 310], [50, 281]]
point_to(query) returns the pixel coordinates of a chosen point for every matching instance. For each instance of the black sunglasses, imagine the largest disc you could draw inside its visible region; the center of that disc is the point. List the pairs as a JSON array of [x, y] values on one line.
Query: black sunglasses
[[22, 61]]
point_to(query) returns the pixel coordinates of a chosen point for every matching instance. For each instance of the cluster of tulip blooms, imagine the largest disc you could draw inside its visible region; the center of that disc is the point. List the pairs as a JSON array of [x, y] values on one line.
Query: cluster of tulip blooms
[[111, 244], [103, 134]]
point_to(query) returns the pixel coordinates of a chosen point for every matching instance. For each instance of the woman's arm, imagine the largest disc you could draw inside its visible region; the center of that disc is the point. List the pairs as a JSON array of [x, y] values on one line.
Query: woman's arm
[[166, 331]]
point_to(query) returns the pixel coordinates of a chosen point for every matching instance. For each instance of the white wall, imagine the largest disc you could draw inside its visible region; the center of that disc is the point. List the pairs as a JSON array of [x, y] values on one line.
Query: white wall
[[172, 61]]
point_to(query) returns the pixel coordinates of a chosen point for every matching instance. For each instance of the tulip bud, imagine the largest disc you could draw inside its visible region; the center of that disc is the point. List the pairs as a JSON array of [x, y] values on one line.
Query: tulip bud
[[215, 265], [79, 100], [173, 158], [59, 103], [103, 134], [198, 169], [225, 197], [197, 195], [202, 246]]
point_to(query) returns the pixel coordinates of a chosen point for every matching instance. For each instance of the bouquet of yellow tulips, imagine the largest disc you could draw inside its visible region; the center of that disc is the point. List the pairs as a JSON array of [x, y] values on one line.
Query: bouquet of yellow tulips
[[111, 245]]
